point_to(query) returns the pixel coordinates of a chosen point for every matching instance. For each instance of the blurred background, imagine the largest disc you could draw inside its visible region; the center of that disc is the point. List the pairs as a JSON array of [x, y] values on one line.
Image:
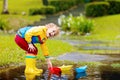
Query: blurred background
[[90, 27]]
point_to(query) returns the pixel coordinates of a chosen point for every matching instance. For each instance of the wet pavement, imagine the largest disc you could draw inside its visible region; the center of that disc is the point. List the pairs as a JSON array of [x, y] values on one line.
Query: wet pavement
[[91, 45], [77, 57], [94, 45]]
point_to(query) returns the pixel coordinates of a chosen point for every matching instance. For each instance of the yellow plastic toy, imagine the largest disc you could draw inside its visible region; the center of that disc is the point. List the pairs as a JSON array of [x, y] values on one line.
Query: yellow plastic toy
[[68, 69]]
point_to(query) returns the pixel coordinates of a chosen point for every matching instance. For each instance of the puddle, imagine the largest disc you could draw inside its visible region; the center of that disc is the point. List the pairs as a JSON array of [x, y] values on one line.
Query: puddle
[[111, 71], [103, 73], [18, 74], [12, 73]]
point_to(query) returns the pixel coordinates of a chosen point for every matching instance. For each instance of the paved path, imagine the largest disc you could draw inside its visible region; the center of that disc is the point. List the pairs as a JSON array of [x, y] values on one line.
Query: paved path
[[54, 18], [76, 57], [95, 45]]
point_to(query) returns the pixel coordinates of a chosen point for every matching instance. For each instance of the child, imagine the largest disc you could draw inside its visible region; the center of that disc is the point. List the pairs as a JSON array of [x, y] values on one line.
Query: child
[[26, 38]]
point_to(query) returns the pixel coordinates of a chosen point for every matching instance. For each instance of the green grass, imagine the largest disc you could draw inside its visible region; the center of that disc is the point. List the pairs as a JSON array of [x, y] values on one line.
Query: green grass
[[21, 5], [107, 28], [11, 53], [18, 17], [116, 65], [15, 19]]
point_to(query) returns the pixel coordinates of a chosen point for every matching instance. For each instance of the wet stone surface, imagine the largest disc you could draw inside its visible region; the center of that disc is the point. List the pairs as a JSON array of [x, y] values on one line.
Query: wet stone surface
[[76, 57], [77, 42], [95, 45]]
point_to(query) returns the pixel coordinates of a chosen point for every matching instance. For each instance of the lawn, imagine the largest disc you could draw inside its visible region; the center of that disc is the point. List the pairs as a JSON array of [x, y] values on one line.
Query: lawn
[[11, 53], [16, 19], [21, 5], [106, 28]]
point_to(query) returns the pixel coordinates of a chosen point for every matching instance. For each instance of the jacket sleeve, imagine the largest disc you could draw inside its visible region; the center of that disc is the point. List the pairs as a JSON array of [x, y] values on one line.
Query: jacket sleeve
[[32, 32], [45, 50]]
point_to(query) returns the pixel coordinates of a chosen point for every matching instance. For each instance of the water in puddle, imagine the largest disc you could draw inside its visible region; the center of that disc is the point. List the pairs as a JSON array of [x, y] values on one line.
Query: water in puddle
[[18, 74]]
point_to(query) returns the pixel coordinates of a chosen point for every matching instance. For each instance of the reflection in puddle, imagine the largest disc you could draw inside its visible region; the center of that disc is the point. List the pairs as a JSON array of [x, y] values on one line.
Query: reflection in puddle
[[81, 72], [12, 73], [18, 74], [54, 76], [33, 76], [110, 71], [106, 73], [80, 75]]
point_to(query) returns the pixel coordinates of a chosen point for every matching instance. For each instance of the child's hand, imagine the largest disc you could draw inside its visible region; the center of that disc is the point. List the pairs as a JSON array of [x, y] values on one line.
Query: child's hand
[[31, 47], [50, 68], [49, 63]]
